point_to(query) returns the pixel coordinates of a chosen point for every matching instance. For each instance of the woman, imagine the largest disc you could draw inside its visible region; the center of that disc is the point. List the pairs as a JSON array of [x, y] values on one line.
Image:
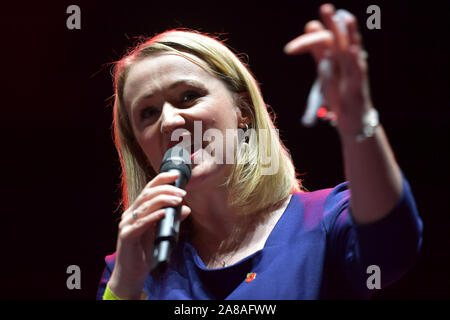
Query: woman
[[249, 232]]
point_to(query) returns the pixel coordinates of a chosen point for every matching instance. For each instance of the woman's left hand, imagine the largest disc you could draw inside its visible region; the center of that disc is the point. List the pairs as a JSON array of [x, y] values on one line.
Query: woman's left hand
[[341, 63]]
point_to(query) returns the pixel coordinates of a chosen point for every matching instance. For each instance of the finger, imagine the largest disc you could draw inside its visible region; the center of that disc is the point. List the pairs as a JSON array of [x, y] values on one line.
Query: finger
[[148, 223], [313, 26], [310, 27], [152, 218], [161, 183], [336, 24], [150, 227], [158, 202], [353, 30], [306, 42], [357, 64], [163, 178], [185, 212], [148, 193], [318, 51]]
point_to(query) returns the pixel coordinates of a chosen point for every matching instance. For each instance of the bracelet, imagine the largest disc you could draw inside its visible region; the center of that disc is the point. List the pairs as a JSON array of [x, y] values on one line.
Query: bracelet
[[370, 122], [109, 295]]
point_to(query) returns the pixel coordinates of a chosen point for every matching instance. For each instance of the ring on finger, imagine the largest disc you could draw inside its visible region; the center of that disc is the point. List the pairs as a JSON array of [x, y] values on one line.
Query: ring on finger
[[134, 214]]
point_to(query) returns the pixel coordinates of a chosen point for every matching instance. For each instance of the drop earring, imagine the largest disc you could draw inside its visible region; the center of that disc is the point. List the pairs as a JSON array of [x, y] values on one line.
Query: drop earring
[[243, 149], [246, 139]]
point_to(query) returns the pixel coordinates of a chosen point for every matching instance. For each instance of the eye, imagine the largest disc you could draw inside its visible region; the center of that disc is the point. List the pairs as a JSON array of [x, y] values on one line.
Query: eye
[[189, 96], [148, 112]]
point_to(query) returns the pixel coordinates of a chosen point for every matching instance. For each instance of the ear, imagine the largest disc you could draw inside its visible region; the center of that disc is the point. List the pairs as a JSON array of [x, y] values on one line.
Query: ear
[[244, 108]]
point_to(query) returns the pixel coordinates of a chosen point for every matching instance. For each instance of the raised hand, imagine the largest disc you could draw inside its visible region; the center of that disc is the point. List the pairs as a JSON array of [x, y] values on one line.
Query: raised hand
[[335, 44]]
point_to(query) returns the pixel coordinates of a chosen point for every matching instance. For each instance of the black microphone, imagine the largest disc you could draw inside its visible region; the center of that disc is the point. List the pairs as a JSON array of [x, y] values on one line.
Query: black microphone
[[176, 159]]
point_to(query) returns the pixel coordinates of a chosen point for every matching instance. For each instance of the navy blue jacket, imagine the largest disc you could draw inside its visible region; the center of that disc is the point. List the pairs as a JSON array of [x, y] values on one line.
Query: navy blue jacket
[[315, 251]]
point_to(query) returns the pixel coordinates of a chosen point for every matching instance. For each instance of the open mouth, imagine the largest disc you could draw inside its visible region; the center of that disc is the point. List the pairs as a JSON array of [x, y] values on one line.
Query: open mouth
[[189, 146]]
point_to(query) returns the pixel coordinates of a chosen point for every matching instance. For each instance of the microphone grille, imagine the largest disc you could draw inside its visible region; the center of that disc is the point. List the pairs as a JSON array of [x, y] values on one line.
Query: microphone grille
[[177, 158], [177, 154]]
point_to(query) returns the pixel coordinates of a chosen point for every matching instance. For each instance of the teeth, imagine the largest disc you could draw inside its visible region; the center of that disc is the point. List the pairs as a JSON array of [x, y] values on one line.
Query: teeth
[[191, 147]]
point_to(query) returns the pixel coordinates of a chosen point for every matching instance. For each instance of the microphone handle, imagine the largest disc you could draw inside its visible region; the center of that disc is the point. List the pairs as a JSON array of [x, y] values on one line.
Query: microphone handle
[[167, 231]]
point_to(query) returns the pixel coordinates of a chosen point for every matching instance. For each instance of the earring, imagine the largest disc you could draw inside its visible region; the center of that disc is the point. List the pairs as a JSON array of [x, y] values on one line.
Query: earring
[[243, 147], [246, 137], [246, 133]]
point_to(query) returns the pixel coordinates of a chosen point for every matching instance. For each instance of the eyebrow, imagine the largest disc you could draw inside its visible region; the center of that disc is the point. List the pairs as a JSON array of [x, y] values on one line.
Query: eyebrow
[[177, 83]]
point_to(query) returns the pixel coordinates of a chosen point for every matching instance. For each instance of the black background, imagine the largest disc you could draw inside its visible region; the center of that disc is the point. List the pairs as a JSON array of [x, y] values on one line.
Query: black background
[[60, 172]]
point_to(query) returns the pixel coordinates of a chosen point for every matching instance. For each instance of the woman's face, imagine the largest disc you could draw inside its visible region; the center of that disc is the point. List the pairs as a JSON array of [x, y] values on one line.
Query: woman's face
[[167, 92]]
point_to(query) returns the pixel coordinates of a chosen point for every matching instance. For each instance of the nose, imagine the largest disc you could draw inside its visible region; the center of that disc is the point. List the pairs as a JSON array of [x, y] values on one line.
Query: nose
[[171, 119]]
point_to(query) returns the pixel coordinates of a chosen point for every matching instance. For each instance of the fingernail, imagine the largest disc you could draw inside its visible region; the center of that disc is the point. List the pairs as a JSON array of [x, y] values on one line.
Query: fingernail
[[177, 199], [287, 48], [328, 6]]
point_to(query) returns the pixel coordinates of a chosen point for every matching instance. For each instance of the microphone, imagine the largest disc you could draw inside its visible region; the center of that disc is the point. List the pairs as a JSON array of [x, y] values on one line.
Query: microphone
[[176, 159]]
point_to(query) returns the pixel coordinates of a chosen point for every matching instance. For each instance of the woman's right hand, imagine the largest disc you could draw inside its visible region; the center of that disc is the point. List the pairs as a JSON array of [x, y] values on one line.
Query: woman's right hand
[[136, 236]]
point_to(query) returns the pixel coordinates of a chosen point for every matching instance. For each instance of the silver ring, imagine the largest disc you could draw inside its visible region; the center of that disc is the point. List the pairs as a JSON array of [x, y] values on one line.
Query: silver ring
[[134, 214]]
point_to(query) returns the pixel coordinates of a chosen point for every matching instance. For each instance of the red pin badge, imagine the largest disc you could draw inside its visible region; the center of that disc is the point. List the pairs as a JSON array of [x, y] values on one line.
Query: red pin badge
[[250, 277]]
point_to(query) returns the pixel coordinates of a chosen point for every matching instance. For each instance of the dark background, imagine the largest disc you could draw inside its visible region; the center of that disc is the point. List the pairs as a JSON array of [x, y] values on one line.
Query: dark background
[[60, 172]]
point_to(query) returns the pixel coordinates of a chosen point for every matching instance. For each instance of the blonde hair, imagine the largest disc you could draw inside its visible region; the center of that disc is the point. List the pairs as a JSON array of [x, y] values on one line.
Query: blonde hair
[[249, 188]]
